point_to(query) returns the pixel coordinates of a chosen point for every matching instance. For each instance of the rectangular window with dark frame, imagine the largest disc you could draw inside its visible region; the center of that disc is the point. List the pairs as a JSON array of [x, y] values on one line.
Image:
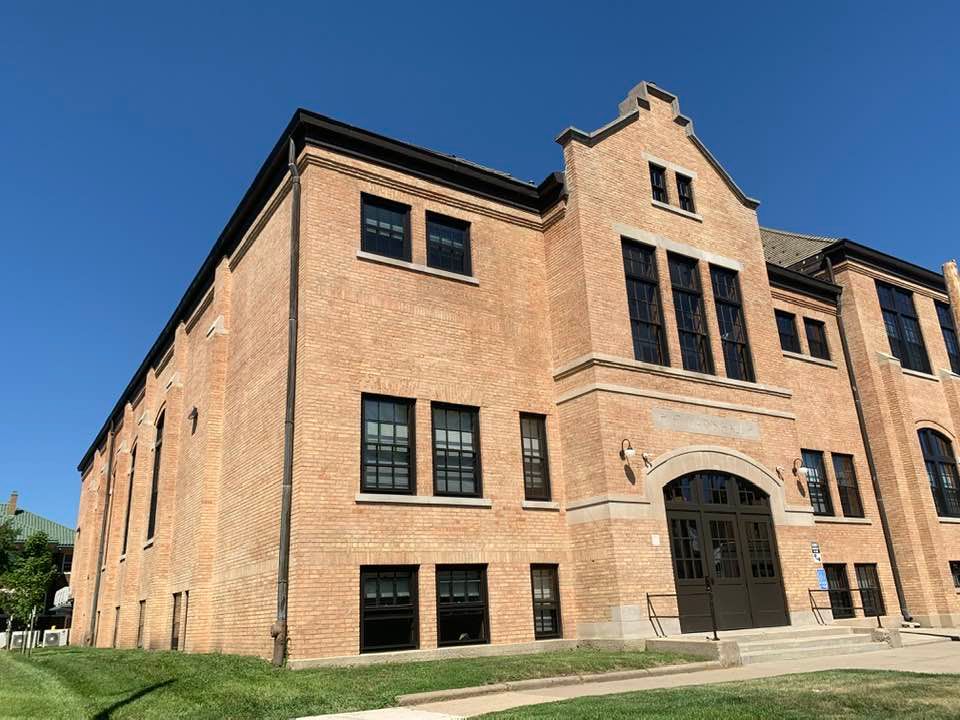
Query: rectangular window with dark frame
[[175, 626], [448, 244], [462, 613], [685, 193], [841, 599], [817, 486], [949, 330], [847, 487], [787, 329], [546, 602], [126, 519], [658, 182], [643, 303], [691, 319], [456, 450], [385, 227], [140, 621], [533, 445], [955, 572], [733, 327], [186, 614], [155, 480], [388, 445], [389, 608], [816, 338], [871, 597], [903, 327], [116, 626]]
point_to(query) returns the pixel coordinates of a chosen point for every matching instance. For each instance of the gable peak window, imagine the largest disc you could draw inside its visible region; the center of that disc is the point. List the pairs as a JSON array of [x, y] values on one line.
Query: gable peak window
[[456, 450], [941, 465], [658, 183], [385, 227], [816, 338], [947, 327], [733, 327], [388, 429], [691, 320], [787, 329], [817, 487], [448, 244], [685, 193], [643, 303], [536, 472], [903, 327]]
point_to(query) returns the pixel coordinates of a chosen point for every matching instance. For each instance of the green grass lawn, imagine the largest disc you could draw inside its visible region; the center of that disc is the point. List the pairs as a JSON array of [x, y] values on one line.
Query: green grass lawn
[[86, 683], [848, 694]]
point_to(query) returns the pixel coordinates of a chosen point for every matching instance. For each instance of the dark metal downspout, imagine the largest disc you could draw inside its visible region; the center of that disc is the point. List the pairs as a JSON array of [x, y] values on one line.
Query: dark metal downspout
[[871, 464], [107, 507], [279, 630]]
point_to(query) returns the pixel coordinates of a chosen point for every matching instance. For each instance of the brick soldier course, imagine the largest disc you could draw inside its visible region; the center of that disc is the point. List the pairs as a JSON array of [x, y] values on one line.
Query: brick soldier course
[[520, 411]]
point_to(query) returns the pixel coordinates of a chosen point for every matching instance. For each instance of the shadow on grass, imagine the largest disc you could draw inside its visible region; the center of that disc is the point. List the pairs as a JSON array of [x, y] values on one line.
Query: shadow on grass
[[107, 713]]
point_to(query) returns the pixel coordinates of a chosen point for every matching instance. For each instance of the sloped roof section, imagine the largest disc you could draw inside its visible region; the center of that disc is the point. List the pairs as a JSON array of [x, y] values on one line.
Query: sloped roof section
[[27, 523], [785, 248]]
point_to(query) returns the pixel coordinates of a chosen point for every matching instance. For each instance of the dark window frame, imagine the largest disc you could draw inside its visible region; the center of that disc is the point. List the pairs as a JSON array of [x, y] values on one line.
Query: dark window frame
[[785, 338], [820, 500], [658, 183], [642, 279], [453, 608], [126, 519], [529, 492], [949, 331], [737, 356], [375, 201], [955, 572], [140, 623], [693, 292], [477, 459], [155, 478], [546, 605], [871, 594], [817, 347], [848, 485], [900, 316], [175, 623], [408, 613], [940, 462], [411, 405], [685, 197], [435, 218]]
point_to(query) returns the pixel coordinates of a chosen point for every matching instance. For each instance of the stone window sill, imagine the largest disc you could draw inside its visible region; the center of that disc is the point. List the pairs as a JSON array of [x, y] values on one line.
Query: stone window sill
[[148, 544], [416, 267], [921, 375], [809, 359], [842, 520], [387, 499], [540, 505], [950, 520], [678, 211], [123, 557]]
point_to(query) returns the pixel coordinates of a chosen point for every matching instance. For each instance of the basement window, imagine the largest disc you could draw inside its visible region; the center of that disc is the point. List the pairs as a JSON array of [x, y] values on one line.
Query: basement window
[[955, 572], [462, 613], [388, 608], [385, 227]]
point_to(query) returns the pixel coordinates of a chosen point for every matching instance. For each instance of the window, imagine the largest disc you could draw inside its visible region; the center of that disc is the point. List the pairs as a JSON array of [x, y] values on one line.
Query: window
[[175, 627], [448, 244], [126, 519], [658, 183], [462, 605], [66, 562], [942, 471], [949, 335], [388, 425], [841, 599], [643, 301], [140, 619], [871, 598], [733, 328], [386, 227], [186, 614], [955, 572], [850, 501], [536, 472], [116, 626], [546, 602], [787, 327], [903, 328], [817, 482], [685, 192], [388, 608], [816, 338], [155, 482], [456, 450], [691, 323]]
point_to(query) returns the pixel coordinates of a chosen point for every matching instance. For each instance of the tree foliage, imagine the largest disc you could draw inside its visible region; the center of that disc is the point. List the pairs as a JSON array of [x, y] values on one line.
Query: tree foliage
[[8, 537], [29, 577]]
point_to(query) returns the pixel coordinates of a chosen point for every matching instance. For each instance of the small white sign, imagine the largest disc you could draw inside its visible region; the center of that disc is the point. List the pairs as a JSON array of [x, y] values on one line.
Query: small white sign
[[815, 550], [655, 540]]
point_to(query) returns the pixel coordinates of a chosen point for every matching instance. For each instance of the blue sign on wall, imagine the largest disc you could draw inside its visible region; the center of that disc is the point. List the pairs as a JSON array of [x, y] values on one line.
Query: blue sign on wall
[[822, 578]]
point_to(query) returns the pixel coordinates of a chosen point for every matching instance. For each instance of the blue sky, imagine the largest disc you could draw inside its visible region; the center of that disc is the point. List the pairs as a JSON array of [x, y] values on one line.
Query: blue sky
[[128, 133]]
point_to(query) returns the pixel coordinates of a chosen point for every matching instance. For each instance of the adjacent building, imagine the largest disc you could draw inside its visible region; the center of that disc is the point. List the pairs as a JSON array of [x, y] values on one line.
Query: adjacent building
[[587, 409]]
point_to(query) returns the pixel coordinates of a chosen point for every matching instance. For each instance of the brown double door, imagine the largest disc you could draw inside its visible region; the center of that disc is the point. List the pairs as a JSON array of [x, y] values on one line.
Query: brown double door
[[722, 543]]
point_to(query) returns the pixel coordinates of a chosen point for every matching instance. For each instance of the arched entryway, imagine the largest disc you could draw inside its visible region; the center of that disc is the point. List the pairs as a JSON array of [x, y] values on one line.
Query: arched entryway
[[722, 539]]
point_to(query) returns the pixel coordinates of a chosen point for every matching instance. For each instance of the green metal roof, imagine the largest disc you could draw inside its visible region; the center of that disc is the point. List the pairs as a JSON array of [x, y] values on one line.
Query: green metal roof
[[27, 523]]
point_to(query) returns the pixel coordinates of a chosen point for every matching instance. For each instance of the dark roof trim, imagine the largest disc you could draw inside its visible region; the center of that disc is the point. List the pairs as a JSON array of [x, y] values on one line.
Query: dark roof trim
[[305, 128], [848, 250], [795, 281]]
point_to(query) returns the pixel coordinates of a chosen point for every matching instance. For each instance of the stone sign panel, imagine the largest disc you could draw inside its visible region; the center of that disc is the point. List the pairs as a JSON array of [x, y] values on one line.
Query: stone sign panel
[[705, 424]]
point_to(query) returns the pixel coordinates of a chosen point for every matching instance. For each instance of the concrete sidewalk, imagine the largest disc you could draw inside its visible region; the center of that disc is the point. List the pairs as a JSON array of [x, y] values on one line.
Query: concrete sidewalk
[[918, 654]]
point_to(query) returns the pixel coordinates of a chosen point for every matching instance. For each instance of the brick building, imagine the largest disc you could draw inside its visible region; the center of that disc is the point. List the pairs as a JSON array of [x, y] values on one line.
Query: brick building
[[519, 414]]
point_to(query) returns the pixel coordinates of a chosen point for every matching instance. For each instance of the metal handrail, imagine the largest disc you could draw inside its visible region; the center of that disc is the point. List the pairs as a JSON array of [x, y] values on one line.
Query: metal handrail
[[874, 592], [655, 617]]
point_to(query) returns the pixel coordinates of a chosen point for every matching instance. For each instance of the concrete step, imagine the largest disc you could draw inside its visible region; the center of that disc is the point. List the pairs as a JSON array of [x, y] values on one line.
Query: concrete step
[[795, 653], [786, 633], [806, 641]]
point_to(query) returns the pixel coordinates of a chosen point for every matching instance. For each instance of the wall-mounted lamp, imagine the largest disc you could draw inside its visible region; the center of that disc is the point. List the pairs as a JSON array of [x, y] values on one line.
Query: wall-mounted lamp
[[799, 470], [626, 450], [192, 417]]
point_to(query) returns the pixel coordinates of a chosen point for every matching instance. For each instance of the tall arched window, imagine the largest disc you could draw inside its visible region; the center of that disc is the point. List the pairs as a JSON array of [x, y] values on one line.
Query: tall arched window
[[942, 470], [155, 483]]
